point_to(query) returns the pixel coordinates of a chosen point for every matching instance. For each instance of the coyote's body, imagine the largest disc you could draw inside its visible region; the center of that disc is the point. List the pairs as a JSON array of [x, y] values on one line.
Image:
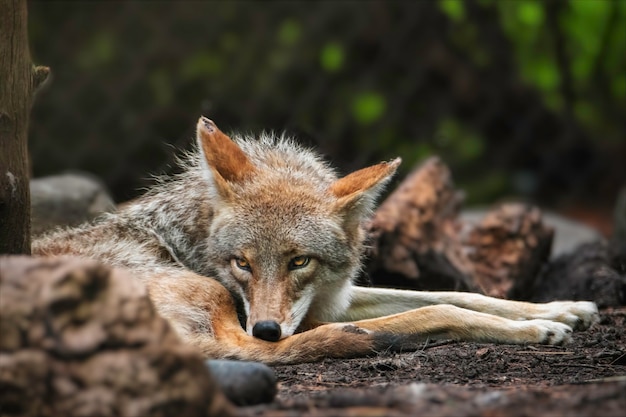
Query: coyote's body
[[255, 246]]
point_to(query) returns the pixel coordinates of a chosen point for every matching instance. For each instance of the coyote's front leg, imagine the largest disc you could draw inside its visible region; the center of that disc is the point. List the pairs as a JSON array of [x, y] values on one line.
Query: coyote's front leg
[[451, 322], [377, 302]]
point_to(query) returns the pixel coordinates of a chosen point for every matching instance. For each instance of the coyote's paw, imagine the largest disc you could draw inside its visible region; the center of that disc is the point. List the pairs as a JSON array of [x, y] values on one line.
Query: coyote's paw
[[579, 315], [547, 332]]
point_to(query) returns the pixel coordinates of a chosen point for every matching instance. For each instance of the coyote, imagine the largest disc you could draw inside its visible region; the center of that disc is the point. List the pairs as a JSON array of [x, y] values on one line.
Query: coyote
[[251, 253]]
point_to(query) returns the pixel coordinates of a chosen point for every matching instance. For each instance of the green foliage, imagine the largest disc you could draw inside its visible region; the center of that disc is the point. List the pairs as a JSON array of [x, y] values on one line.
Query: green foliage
[[367, 107], [99, 51], [161, 85], [458, 141], [485, 188], [523, 21], [202, 64], [593, 48], [340, 73], [453, 8], [332, 57], [289, 32], [530, 13]]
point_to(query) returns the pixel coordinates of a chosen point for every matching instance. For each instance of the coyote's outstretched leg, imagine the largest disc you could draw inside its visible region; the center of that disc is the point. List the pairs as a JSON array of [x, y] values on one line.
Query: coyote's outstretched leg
[[377, 302], [451, 322]]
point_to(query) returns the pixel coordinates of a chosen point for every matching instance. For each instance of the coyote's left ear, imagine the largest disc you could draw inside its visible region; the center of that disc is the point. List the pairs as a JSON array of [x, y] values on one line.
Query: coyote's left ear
[[357, 192], [224, 161]]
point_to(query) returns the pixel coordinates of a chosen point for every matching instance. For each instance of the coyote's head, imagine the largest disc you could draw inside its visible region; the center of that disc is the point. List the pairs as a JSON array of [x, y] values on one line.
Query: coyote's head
[[286, 235]]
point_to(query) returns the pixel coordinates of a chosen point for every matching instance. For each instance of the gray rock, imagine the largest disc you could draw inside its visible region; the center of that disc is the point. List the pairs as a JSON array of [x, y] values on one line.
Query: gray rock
[[244, 383], [66, 200]]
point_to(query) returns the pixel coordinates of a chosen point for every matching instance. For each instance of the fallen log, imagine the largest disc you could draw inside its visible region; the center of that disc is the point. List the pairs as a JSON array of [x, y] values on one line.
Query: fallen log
[[507, 249], [414, 234], [418, 241]]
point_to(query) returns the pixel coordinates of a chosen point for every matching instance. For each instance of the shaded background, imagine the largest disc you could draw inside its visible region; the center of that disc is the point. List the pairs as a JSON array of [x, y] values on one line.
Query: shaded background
[[523, 99]]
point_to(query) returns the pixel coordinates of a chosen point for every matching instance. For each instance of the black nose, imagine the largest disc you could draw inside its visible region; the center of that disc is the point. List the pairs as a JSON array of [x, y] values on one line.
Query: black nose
[[267, 330]]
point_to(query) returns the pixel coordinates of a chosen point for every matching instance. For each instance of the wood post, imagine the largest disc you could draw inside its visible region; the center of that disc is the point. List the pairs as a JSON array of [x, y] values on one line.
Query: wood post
[[19, 79]]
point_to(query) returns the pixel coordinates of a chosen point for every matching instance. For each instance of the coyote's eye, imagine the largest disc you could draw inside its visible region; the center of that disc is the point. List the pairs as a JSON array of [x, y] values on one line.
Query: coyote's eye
[[243, 264], [299, 262]]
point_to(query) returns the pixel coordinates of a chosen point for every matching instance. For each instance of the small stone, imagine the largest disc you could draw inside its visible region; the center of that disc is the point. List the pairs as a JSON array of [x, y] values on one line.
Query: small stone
[[482, 352], [244, 383]]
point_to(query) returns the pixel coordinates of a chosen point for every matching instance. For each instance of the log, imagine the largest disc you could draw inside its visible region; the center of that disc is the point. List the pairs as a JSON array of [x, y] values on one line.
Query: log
[[414, 235], [418, 241], [592, 271], [507, 250], [587, 273]]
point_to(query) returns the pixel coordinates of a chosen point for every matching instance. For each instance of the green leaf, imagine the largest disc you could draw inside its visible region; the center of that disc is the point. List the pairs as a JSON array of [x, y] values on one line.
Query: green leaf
[[201, 65], [422, 151], [453, 8], [544, 73], [368, 107], [619, 86], [289, 32], [485, 188], [471, 147], [161, 85], [530, 13], [332, 56], [100, 50], [461, 141]]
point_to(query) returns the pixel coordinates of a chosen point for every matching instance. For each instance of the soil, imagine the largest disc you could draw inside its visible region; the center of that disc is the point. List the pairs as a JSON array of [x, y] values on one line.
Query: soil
[[584, 378]]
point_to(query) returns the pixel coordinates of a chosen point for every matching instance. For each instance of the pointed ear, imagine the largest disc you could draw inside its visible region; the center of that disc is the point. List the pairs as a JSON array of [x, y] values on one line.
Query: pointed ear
[[222, 159], [357, 192]]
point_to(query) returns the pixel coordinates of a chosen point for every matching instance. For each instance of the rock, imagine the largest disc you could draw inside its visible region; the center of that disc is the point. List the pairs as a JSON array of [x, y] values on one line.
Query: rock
[[618, 240], [66, 200], [80, 339], [244, 383]]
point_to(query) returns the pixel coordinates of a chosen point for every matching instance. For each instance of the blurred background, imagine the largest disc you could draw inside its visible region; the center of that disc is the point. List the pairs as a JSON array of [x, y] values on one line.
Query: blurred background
[[524, 100]]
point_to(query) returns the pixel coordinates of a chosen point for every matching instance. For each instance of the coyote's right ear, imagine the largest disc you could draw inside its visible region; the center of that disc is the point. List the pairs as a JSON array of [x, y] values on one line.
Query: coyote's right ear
[[224, 162], [356, 193]]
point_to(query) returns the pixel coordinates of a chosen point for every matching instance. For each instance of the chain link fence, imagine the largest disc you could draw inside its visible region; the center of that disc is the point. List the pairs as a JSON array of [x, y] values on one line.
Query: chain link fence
[[364, 81]]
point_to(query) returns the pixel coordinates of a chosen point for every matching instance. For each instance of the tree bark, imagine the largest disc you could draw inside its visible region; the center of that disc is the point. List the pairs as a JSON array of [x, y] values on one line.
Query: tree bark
[[507, 249], [18, 81]]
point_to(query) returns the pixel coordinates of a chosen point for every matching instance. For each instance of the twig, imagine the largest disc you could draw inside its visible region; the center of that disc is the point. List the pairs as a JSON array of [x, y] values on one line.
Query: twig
[[615, 378], [618, 359], [438, 343], [575, 365]]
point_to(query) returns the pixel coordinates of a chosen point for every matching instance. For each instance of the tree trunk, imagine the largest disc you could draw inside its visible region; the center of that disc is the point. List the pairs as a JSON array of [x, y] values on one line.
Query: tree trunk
[[18, 81]]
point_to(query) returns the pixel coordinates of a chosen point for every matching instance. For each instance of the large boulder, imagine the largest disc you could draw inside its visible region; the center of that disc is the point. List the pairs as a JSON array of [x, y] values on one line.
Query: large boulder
[[66, 200]]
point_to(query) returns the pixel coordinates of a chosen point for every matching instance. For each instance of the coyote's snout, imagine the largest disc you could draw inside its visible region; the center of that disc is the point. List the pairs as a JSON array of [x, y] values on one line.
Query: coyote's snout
[[255, 246]]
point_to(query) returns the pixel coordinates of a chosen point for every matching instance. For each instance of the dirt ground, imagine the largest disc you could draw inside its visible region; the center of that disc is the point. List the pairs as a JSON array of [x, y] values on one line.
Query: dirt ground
[[585, 378]]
